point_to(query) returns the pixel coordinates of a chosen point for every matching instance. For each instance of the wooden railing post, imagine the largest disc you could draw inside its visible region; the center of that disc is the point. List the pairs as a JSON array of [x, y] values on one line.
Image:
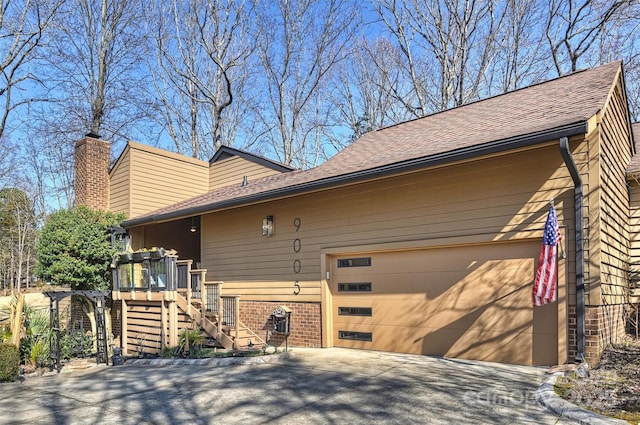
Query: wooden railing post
[[203, 276]]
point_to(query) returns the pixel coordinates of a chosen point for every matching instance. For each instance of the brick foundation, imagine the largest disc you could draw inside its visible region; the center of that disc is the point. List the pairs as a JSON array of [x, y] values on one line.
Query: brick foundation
[[603, 325], [306, 325]]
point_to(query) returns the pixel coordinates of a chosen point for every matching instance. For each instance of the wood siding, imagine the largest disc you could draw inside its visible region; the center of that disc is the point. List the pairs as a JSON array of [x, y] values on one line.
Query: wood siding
[[609, 233], [634, 230], [144, 327], [231, 171], [120, 185], [462, 201], [160, 178]]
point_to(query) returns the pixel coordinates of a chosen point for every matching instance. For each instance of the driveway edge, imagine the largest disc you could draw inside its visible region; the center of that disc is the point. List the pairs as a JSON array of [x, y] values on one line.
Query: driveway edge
[[221, 362], [547, 396]]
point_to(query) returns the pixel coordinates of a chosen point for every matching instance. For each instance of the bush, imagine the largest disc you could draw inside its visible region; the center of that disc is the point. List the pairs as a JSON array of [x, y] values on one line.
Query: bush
[[5, 334], [34, 347], [9, 362], [76, 344]]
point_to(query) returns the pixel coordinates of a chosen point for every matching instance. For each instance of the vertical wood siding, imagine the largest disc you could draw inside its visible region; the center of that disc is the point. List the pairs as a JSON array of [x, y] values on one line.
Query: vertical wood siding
[[499, 198], [231, 171]]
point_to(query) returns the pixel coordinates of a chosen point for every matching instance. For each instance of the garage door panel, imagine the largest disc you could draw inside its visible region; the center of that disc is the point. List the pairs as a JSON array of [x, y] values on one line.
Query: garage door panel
[[488, 281], [469, 302], [483, 345], [501, 315]]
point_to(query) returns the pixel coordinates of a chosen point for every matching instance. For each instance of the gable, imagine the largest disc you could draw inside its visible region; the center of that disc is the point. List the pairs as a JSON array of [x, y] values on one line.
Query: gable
[[145, 178]]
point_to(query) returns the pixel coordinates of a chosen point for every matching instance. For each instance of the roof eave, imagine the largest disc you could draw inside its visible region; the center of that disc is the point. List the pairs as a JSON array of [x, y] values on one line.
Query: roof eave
[[462, 154]]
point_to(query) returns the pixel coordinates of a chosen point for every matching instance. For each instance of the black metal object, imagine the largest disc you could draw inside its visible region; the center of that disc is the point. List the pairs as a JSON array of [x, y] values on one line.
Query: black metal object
[[119, 238], [578, 204], [281, 322], [153, 273], [98, 298]]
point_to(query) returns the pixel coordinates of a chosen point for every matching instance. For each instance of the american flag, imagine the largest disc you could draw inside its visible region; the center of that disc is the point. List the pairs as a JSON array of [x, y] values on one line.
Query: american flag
[[544, 287]]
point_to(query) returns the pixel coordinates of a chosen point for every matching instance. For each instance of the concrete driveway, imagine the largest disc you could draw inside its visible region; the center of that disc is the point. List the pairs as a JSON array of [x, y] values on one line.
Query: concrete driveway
[[310, 386]]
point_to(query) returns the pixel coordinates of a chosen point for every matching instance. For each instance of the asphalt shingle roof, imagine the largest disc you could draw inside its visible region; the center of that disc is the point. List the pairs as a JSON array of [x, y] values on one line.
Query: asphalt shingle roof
[[567, 100]]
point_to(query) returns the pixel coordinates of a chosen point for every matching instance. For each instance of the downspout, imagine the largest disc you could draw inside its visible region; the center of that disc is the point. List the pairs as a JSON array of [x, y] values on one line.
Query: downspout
[[578, 204]]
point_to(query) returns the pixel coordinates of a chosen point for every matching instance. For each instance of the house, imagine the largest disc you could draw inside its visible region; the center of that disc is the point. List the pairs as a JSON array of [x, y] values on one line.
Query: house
[[422, 237]]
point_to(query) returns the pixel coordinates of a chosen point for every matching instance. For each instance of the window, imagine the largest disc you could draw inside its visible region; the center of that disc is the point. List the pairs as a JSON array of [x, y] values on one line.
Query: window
[[354, 287], [355, 262], [355, 336], [354, 311]]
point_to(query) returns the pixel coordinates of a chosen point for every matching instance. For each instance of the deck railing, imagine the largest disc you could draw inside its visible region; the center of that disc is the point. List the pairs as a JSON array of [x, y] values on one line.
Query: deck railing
[[230, 314], [202, 301], [211, 297]]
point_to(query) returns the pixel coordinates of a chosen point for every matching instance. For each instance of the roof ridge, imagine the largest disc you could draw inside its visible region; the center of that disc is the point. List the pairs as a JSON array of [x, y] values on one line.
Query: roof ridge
[[520, 89]]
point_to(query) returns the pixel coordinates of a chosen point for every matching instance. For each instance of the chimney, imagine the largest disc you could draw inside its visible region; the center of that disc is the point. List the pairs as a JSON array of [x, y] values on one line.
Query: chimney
[[92, 160]]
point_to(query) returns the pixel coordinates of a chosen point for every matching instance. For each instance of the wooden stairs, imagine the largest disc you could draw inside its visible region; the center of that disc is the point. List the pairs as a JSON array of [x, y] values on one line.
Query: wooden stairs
[[223, 327]]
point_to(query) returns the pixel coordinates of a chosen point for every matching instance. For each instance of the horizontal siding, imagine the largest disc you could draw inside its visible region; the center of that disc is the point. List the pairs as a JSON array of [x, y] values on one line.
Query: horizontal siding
[[634, 230], [614, 245], [158, 180], [119, 186], [508, 203], [231, 171], [143, 327], [308, 291]]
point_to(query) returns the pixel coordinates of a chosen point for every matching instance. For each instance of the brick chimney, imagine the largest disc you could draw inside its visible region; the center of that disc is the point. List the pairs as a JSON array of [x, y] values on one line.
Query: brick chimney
[[92, 160]]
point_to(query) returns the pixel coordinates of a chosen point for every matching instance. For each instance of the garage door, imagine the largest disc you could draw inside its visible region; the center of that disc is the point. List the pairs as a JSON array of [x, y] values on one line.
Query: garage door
[[471, 302]]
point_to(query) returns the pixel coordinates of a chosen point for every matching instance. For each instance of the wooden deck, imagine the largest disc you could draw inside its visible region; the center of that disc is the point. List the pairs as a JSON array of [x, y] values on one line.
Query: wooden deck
[[153, 318]]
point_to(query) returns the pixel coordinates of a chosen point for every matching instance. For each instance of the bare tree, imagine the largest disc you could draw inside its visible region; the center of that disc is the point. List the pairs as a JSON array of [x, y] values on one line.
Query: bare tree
[[367, 89], [201, 51], [520, 48], [93, 64], [22, 27], [396, 17], [17, 239], [300, 44], [449, 45], [574, 28]]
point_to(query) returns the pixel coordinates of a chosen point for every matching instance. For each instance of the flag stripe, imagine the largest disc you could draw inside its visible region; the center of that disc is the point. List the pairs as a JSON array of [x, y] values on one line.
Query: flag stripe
[[544, 286]]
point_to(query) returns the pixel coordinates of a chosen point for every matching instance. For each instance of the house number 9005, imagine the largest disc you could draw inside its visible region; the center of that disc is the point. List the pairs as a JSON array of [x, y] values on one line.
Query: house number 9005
[[297, 246]]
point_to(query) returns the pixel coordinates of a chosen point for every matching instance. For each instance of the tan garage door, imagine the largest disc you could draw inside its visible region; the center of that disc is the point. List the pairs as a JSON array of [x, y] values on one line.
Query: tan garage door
[[471, 302]]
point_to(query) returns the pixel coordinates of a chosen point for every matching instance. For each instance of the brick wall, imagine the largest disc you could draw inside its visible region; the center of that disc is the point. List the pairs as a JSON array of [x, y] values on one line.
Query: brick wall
[[604, 325], [306, 325], [92, 160], [78, 320]]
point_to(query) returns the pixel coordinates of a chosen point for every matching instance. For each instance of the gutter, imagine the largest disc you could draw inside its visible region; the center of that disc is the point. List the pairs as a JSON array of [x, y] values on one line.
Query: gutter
[[578, 205], [469, 152]]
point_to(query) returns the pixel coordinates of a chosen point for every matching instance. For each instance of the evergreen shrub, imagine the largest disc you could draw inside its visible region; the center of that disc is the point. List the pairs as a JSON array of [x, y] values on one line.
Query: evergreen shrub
[[9, 362]]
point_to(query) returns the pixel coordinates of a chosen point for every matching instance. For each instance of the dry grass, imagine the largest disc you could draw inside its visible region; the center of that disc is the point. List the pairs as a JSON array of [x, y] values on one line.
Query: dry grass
[[613, 388]]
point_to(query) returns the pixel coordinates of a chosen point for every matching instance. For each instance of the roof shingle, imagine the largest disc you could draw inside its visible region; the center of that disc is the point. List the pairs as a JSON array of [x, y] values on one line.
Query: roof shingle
[[567, 100]]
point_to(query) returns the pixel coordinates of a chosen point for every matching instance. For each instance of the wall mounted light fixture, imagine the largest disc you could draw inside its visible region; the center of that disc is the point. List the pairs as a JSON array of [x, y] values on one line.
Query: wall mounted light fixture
[[193, 227], [267, 226]]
